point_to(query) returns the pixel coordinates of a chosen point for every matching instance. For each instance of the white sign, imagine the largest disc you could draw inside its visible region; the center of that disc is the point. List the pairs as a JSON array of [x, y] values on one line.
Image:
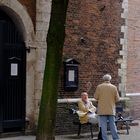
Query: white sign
[[14, 69], [71, 75]]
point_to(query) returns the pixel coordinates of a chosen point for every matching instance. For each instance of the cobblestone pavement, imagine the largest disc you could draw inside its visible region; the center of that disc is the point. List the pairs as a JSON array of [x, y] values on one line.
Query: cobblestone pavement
[[134, 135]]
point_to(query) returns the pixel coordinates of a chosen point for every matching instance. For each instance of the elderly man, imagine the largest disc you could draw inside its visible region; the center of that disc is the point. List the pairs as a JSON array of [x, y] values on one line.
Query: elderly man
[[86, 110], [107, 95]]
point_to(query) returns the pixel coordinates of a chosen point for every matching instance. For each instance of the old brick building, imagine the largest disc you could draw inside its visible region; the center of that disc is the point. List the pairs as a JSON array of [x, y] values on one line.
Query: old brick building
[[102, 35], [93, 32], [133, 64]]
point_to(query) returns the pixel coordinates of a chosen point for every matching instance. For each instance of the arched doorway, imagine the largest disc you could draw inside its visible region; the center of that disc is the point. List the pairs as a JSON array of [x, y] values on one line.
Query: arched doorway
[[12, 76]]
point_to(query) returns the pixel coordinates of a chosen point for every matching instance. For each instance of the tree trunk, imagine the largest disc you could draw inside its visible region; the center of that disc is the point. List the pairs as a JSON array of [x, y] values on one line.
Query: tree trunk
[[55, 41]]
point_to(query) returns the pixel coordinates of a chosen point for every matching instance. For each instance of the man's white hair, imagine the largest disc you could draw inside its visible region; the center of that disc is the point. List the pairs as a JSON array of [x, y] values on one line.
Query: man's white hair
[[84, 93], [107, 77]]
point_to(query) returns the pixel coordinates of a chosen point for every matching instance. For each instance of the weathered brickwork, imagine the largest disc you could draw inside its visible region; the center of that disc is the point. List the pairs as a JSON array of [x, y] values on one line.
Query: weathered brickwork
[[135, 107], [133, 61], [133, 70], [31, 8], [93, 30]]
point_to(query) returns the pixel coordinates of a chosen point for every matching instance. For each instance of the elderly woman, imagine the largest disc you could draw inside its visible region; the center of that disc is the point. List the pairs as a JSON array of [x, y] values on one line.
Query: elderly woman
[[86, 110]]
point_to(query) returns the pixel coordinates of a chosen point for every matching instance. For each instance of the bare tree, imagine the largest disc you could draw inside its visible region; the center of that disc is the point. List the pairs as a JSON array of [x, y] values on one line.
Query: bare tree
[[55, 41]]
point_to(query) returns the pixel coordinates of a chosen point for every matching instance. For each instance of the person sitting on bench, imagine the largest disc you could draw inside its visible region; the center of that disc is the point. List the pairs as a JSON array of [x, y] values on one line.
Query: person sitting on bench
[[86, 110]]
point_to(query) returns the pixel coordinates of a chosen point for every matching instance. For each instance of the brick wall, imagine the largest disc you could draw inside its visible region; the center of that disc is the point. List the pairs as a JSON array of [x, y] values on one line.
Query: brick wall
[[64, 120], [135, 107], [133, 63], [133, 70], [93, 38]]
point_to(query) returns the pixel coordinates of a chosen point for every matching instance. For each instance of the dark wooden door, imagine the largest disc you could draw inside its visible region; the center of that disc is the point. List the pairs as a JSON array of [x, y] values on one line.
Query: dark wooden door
[[12, 76]]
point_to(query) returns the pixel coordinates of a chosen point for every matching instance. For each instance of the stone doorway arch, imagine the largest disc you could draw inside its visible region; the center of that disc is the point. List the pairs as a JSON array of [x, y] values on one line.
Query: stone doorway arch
[[17, 12]]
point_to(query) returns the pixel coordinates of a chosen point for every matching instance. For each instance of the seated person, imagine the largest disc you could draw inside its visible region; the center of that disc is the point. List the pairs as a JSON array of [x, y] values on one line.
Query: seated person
[[86, 110]]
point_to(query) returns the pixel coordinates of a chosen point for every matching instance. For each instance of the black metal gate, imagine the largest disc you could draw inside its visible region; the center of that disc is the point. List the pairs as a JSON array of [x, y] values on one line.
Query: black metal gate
[[12, 76]]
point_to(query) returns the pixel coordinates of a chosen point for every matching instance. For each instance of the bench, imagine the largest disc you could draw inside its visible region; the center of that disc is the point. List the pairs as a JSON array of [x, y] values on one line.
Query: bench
[[85, 124], [120, 119], [77, 122]]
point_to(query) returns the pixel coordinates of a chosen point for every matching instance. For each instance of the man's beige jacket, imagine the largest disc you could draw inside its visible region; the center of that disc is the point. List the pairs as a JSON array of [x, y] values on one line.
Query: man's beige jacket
[[107, 95]]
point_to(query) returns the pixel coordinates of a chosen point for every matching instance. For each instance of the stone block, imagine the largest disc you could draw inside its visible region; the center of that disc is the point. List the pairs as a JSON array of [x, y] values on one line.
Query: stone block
[[41, 35]]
